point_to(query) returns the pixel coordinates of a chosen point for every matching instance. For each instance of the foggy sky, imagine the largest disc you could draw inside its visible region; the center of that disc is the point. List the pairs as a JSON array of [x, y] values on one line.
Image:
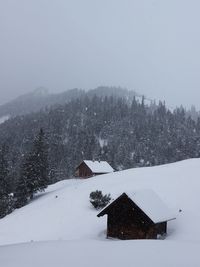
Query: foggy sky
[[151, 46]]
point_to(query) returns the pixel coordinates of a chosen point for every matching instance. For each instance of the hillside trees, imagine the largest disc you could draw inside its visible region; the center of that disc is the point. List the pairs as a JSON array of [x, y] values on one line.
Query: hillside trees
[[126, 133], [6, 198], [123, 132], [34, 173]]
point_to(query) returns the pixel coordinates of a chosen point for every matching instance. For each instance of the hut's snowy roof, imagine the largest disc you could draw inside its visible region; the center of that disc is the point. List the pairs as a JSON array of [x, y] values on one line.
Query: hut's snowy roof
[[151, 204], [99, 166]]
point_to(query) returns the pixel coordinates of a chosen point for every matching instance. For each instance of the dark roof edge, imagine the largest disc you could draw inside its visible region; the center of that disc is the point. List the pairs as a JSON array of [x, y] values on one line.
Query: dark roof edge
[[103, 212]]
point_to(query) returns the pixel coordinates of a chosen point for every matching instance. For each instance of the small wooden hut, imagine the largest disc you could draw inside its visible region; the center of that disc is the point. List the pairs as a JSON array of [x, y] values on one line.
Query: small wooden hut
[[141, 215], [89, 168]]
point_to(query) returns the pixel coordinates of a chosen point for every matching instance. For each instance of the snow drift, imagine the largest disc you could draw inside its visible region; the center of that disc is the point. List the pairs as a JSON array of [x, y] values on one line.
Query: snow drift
[[65, 220]]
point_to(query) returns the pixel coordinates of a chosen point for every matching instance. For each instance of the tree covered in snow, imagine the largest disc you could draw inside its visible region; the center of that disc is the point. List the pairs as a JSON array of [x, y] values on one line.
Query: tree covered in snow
[[6, 198], [4, 172], [21, 191], [126, 132], [34, 174], [98, 200], [37, 165]]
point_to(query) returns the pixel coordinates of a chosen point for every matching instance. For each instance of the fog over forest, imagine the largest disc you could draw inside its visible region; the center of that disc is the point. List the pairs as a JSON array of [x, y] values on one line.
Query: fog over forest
[[149, 46]]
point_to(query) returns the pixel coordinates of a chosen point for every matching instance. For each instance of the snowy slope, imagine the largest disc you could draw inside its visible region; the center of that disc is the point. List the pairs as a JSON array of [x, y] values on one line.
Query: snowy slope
[[101, 254], [64, 219], [4, 118]]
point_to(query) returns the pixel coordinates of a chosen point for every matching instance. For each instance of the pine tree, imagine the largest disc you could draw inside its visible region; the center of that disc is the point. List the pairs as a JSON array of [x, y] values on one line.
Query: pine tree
[[4, 186], [39, 158], [34, 171], [21, 192], [6, 199], [98, 200], [36, 165]]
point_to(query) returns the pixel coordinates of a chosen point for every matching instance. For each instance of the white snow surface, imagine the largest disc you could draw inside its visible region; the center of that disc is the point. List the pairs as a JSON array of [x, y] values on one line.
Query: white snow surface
[[152, 205], [4, 118], [60, 228], [99, 166]]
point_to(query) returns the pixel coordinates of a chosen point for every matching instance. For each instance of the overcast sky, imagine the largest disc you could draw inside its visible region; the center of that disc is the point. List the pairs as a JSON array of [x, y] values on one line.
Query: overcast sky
[[151, 46]]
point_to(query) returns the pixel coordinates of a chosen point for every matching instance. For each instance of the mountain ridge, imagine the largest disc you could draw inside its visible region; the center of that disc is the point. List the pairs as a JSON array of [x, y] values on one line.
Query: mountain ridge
[[40, 98]]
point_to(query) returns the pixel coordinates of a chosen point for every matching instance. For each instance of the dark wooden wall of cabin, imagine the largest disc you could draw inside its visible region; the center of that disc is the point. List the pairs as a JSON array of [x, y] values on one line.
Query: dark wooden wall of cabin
[[127, 221], [83, 171]]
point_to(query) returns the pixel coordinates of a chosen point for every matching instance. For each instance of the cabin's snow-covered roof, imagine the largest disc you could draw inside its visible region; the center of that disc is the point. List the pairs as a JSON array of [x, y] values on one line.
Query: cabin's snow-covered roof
[[99, 166], [151, 204]]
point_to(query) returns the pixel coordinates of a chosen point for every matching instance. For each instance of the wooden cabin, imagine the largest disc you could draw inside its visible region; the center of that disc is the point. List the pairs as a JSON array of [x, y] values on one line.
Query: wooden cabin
[[89, 168], [141, 215]]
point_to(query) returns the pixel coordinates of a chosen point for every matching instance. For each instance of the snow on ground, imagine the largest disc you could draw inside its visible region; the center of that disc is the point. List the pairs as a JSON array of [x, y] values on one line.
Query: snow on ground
[[101, 254], [75, 236], [4, 118]]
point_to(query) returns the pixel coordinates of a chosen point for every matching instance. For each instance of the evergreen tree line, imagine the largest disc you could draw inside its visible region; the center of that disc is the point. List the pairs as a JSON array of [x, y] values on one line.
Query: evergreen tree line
[[33, 176], [125, 133]]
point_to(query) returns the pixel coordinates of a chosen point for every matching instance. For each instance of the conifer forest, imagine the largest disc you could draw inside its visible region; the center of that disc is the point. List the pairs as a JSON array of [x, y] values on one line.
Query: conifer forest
[[45, 146]]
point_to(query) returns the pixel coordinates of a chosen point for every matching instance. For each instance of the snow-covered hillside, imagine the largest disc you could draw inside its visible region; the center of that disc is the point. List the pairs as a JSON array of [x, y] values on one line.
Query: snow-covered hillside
[[72, 235], [4, 118]]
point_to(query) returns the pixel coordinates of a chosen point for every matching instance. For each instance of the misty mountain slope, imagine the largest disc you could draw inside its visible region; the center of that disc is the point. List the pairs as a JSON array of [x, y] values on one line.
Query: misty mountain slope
[[64, 215], [107, 128], [40, 99], [35, 101], [103, 91], [4, 118], [91, 127]]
